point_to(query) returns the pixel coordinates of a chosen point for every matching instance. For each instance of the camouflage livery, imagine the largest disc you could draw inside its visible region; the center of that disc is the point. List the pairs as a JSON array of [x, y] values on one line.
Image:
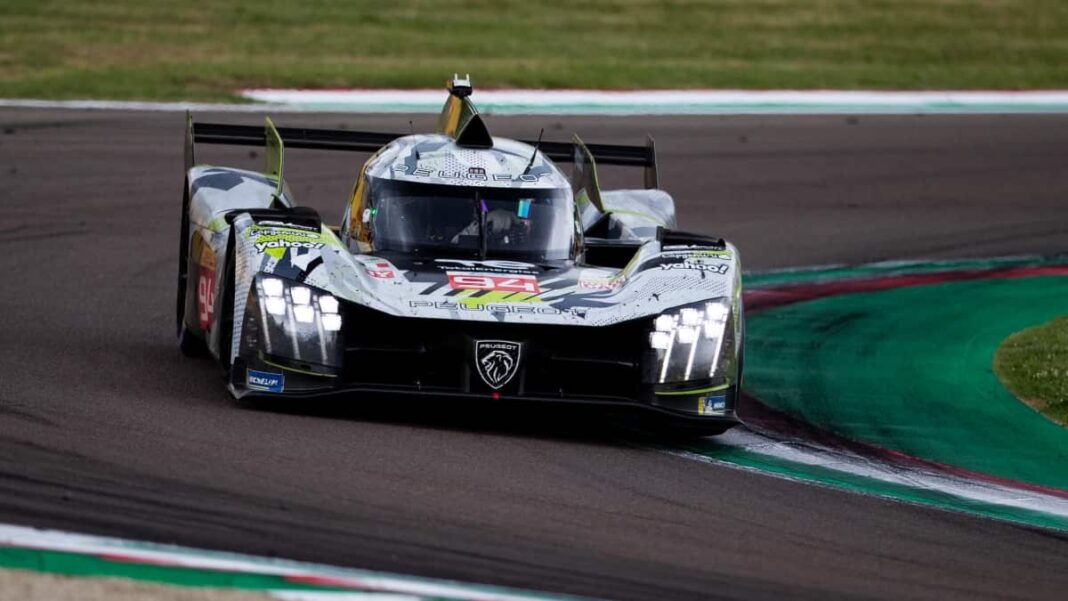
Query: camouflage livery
[[287, 304]]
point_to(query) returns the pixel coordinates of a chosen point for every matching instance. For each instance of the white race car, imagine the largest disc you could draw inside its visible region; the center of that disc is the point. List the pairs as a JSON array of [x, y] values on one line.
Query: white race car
[[466, 266]]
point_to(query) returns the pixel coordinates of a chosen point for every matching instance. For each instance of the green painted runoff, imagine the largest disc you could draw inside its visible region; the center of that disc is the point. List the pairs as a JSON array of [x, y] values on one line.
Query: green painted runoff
[[910, 369]]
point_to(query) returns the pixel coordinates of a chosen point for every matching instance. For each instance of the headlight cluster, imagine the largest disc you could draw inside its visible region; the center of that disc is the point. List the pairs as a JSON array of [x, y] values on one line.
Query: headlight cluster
[[290, 321], [280, 300], [690, 342]]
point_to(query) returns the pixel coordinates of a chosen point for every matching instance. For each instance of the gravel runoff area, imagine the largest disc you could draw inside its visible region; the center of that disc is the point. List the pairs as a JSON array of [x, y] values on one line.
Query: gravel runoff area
[[24, 585]]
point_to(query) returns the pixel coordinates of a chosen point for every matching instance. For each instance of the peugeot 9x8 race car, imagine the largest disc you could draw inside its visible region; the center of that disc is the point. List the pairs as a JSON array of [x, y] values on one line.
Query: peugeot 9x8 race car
[[466, 266]]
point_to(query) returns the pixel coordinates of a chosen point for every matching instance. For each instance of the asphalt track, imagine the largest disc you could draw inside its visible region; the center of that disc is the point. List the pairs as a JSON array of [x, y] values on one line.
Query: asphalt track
[[105, 428]]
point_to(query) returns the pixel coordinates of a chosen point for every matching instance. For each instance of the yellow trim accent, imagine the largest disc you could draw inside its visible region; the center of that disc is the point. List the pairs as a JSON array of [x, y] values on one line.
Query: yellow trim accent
[[454, 117], [356, 227], [449, 120], [218, 224], [274, 152], [652, 218], [695, 391], [587, 167], [497, 296]]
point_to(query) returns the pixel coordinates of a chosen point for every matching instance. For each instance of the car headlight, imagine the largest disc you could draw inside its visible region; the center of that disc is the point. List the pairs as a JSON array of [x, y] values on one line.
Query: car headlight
[[289, 320], [694, 343]]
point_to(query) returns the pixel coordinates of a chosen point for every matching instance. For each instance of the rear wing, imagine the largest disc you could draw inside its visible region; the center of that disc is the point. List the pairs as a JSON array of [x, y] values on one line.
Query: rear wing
[[362, 141]]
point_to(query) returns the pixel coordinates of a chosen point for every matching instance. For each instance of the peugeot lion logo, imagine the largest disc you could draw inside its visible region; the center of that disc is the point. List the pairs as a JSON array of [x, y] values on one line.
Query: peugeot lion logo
[[497, 361]]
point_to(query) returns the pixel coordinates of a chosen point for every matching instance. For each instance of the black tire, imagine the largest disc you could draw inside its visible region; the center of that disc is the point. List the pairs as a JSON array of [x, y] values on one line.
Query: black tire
[[189, 343], [225, 310]]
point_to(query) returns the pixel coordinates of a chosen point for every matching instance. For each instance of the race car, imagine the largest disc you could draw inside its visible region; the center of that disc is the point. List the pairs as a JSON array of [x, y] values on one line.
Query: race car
[[466, 266]]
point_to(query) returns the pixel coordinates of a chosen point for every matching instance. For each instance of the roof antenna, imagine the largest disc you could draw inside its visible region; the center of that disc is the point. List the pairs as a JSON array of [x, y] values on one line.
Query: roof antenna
[[461, 88], [535, 154], [411, 127]]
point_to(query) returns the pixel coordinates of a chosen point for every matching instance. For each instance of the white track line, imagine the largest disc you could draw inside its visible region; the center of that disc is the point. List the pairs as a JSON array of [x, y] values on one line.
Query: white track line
[[679, 101], [594, 102], [119, 105], [810, 454], [55, 540]]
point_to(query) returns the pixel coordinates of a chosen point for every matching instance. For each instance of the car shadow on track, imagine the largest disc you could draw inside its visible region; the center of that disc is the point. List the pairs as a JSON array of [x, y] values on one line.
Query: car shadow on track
[[576, 423]]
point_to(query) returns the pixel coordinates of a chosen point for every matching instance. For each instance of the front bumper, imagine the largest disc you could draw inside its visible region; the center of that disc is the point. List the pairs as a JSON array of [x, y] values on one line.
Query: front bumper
[[261, 380], [382, 355]]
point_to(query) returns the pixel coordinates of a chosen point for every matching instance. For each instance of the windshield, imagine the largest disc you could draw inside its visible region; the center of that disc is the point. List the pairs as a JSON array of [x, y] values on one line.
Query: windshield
[[433, 219]]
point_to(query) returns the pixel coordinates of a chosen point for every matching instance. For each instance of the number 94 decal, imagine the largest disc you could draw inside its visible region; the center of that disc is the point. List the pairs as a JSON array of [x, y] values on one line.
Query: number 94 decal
[[503, 283]]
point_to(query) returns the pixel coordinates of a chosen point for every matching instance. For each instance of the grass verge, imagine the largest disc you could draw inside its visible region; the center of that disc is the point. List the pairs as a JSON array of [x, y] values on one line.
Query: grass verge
[[200, 50], [1033, 365]]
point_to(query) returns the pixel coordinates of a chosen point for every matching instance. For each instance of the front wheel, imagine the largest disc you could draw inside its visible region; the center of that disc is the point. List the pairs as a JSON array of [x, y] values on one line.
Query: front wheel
[[224, 309], [189, 343]]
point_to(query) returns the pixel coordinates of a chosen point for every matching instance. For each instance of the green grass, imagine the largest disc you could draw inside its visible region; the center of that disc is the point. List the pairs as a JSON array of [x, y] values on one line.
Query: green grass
[[191, 49], [1033, 364]]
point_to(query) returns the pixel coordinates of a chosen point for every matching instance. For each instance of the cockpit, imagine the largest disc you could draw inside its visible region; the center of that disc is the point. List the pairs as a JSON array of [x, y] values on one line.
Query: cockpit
[[529, 224]]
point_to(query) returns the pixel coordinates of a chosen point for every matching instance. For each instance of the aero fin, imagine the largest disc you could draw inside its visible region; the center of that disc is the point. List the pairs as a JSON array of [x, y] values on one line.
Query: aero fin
[[274, 152], [459, 118], [190, 160], [584, 181], [652, 172]]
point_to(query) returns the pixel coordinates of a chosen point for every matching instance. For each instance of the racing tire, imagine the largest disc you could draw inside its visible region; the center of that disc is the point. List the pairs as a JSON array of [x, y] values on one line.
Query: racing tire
[[189, 343], [225, 309]]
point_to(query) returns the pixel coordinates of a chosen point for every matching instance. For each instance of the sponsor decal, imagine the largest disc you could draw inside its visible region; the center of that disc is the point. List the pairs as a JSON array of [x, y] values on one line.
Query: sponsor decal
[[203, 252], [503, 283], [278, 239], [473, 174], [266, 381], [720, 268], [712, 405], [262, 246], [487, 266], [380, 270], [206, 297], [494, 308], [497, 361], [293, 231], [274, 225], [602, 283], [690, 252]]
